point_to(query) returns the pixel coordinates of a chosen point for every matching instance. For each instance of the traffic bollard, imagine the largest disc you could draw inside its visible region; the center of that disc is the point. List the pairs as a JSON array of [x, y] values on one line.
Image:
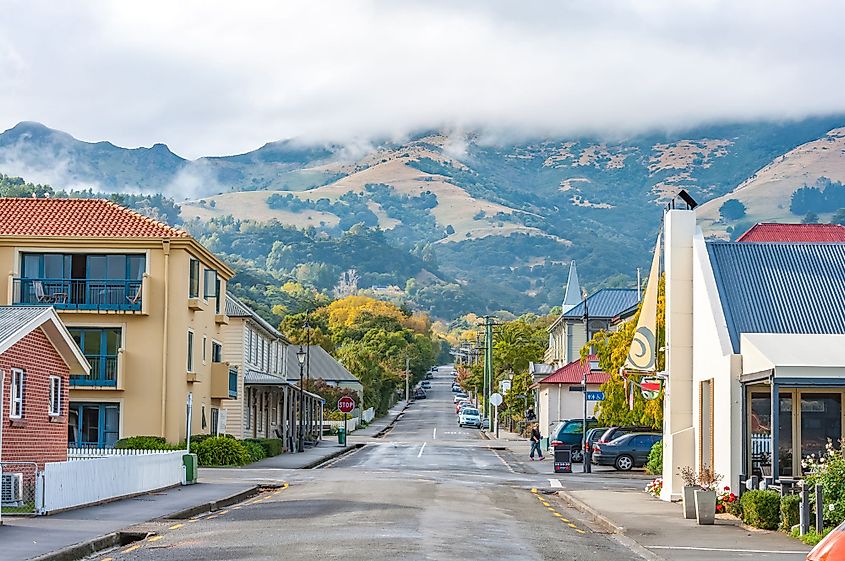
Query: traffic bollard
[[819, 509], [804, 512]]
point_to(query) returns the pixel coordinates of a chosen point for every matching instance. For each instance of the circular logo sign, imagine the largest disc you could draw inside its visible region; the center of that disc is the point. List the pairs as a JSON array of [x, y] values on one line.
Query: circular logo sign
[[345, 404]]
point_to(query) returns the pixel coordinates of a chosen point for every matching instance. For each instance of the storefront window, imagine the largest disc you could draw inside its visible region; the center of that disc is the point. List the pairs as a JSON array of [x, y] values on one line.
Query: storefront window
[[821, 420], [760, 425]]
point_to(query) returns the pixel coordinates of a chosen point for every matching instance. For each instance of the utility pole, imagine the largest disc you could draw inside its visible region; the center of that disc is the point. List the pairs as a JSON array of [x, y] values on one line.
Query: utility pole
[[407, 379], [488, 363], [585, 460]]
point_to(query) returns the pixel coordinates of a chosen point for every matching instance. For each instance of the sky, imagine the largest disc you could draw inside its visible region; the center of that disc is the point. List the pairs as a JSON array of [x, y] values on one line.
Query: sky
[[216, 78]]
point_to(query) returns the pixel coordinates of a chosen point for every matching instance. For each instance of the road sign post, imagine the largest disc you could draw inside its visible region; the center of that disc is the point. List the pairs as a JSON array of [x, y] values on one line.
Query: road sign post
[[345, 405], [496, 401]]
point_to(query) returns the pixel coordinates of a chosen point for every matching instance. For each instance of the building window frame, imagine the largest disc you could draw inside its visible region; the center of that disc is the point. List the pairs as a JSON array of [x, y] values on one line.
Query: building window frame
[[55, 405], [204, 351], [216, 351], [209, 284], [17, 391], [194, 278], [190, 361]]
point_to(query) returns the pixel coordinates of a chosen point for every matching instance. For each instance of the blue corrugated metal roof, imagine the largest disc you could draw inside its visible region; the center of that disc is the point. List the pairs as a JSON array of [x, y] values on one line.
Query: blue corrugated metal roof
[[780, 287], [605, 303]]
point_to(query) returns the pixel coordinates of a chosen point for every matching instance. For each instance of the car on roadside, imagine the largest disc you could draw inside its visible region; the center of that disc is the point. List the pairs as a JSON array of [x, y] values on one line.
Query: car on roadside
[[426, 385], [469, 417], [612, 433], [429, 376], [459, 396], [456, 388], [592, 436], [569, 433], [460, 404], [419, 393], [626, 452]]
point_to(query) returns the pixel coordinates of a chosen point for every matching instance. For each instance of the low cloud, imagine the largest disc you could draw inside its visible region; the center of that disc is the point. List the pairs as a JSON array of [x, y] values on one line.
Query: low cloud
[[212, 77]]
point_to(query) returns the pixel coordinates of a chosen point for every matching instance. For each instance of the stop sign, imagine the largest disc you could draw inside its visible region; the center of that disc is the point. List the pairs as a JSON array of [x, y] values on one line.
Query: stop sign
[[345, 404]]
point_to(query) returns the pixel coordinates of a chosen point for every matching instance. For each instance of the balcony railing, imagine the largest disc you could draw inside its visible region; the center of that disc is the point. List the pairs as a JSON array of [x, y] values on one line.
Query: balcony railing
[[103, 372], [79, 294]]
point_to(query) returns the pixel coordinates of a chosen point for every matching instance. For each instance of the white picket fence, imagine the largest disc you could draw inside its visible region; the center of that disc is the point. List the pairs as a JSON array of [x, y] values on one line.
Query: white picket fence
[[368, 415], [351, 424], [85, 453], [106, 475]]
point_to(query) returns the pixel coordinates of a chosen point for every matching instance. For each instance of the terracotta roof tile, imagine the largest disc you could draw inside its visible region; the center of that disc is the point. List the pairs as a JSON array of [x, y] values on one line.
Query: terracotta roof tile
[[85, 218], [771, 232], [573, 373]]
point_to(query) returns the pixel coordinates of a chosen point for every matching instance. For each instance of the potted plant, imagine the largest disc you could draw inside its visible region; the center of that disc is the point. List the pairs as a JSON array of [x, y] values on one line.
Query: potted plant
[[690, 486], [705, 496]]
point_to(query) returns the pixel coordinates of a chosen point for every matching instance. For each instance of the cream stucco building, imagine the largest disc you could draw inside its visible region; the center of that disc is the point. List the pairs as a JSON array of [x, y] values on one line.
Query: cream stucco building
[[145, 303]]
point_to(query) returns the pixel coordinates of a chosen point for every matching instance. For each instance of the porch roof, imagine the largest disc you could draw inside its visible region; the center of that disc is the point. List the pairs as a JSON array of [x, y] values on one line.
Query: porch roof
[[794, 359], [258, 378]]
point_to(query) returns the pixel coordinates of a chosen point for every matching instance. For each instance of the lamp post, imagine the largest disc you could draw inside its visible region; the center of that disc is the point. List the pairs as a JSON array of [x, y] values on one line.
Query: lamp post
[[585, 457], [300, 357], [308, 365]]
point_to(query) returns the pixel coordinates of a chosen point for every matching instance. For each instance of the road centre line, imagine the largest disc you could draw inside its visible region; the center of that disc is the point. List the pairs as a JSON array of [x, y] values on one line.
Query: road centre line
[[421, 450], [434, 435]]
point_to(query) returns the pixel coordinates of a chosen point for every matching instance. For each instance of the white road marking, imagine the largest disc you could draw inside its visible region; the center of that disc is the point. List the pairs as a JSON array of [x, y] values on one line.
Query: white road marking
[[434, 436], [421, 449], [555, 483], [690, 548]]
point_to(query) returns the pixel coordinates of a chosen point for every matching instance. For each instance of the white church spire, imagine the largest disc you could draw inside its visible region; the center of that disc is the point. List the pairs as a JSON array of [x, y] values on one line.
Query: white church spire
[[572, 296]]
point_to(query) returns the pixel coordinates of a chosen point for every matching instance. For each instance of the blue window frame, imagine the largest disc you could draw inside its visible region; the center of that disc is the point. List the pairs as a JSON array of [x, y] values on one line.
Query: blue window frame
[[100, 346], [93, 424]]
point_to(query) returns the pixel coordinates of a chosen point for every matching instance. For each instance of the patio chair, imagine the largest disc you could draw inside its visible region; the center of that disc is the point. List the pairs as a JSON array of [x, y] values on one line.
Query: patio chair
[[40, 295], [136, 298]]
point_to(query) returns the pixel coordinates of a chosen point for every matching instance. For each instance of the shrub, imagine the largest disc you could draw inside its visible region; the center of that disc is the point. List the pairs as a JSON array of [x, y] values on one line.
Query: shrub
[[145, 443], [221, 451], [789, 509], [761, 509], [829, 472], [272, 446], [655, 459], [256, 451], [654, 487], [812, 537], [727, 502]]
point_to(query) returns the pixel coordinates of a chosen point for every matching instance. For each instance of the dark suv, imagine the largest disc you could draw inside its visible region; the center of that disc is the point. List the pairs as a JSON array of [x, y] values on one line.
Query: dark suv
[[615, 432], [570, 433]]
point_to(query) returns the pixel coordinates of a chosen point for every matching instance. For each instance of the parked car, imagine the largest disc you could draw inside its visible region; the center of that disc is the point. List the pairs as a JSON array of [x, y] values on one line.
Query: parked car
[[456, 388], [460, 395], [461, 404], [831, 547], [419, 393], [592, 437], [469, 417], [613, 433], [627, 451], [429, 376], [569, 433], [426, 385]]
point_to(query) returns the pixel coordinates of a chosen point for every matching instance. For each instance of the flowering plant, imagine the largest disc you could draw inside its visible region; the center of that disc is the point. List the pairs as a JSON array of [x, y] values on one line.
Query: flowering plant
[[828, 470], [654, 486], [726, 501]]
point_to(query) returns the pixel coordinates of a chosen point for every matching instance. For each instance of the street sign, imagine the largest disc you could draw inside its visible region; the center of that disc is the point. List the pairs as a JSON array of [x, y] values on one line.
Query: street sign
[[496, 399], [650, 387], [595, 396], [505, 386], [345, 404]]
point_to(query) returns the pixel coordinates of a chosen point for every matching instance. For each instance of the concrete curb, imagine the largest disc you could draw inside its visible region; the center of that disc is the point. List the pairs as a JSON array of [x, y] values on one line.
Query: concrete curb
[[334, 455], [82, 549], [617, 531], [389, 426], [211, 506]]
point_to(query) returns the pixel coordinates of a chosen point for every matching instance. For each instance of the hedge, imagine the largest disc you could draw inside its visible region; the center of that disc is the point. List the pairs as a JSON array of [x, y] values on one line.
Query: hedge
[[221, 451], [761, 509], [145, 443], [655, 459], [789, 511], [272, 446], [256, 451]]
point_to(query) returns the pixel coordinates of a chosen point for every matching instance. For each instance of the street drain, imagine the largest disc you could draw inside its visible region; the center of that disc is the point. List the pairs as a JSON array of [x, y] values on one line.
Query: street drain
[[125, 538]]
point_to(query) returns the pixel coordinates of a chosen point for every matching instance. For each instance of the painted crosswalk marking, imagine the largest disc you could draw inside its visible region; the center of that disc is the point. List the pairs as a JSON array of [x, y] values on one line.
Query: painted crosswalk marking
[[555, 483]]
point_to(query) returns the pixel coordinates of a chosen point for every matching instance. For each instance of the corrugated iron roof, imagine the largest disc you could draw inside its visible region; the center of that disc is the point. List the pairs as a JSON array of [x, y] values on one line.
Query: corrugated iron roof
[[236, 308], [573, 373], [605, 303], [323, 365], [771, 232], [13, 318], [780, 287]]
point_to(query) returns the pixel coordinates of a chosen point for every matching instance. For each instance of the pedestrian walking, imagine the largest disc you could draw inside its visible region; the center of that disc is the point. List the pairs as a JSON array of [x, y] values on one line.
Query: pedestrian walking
[[535, 442]]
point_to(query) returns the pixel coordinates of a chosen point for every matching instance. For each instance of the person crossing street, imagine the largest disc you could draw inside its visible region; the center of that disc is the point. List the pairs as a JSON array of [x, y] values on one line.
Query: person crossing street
[[535, 442]]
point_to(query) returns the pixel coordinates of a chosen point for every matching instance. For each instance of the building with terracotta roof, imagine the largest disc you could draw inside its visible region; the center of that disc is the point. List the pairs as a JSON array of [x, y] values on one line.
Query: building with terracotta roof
[[773, 232], [141, 300], [560, 395]]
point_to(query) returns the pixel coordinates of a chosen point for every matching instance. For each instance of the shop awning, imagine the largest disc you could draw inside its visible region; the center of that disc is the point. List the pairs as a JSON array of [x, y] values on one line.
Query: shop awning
[[793, 359]]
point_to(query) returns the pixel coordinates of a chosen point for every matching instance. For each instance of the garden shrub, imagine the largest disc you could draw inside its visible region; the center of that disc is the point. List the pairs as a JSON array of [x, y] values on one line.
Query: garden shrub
[[221, 451], [761, 509], [655, 459], [829, 472], [789, 509], [256, 451], [272, 446], [145, 443]]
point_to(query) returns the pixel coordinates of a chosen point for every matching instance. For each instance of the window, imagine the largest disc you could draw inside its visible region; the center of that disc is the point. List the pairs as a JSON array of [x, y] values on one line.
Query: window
[[100, 347], [93, 424], [204, 345], [190, 351], [216, 352], [210, 284], [194, 279], [215, 421], [55, 396], [16, 395], [218, 302], [249, 345]]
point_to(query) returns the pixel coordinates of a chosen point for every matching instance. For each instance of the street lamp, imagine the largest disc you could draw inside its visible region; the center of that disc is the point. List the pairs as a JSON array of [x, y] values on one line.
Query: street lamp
[[300, 358]]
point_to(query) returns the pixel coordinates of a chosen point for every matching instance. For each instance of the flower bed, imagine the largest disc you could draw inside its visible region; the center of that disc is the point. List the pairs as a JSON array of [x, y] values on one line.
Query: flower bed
[[654, 487]]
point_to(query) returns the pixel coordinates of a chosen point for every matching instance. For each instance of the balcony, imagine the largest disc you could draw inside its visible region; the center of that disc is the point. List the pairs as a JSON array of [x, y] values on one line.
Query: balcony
[[105, 370], [224, 381], [80, 294]]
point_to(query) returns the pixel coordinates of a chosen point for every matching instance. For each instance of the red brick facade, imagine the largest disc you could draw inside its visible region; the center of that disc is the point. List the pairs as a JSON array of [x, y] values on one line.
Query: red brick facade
[[37, 436]]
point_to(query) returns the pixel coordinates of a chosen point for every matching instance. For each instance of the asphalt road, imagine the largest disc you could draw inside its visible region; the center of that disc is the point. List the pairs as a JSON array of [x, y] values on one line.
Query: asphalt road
[[427, 490]]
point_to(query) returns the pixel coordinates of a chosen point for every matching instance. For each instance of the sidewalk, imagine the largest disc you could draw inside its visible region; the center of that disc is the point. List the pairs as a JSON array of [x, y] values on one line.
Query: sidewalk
[[24, 538], [654, 529]]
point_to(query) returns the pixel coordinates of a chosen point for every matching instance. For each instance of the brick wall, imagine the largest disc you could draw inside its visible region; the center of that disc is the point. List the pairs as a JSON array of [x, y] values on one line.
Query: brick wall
[[36, 437]]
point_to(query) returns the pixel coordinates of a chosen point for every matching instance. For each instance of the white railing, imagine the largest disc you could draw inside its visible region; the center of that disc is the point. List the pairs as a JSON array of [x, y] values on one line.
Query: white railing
[[87, 453], [87, 481], [351, 424], [368, 415]]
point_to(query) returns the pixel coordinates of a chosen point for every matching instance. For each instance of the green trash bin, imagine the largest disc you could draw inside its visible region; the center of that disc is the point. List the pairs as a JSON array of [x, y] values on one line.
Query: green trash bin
[[190, 463], [341, 436]]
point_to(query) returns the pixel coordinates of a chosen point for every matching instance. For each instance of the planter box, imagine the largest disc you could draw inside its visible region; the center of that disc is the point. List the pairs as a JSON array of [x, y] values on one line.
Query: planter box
[[689, 501], [705, 506]]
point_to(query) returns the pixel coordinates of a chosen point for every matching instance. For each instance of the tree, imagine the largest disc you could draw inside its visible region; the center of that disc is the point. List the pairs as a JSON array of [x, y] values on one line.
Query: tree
[[732, 209], [838, 217], [810, 218]]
